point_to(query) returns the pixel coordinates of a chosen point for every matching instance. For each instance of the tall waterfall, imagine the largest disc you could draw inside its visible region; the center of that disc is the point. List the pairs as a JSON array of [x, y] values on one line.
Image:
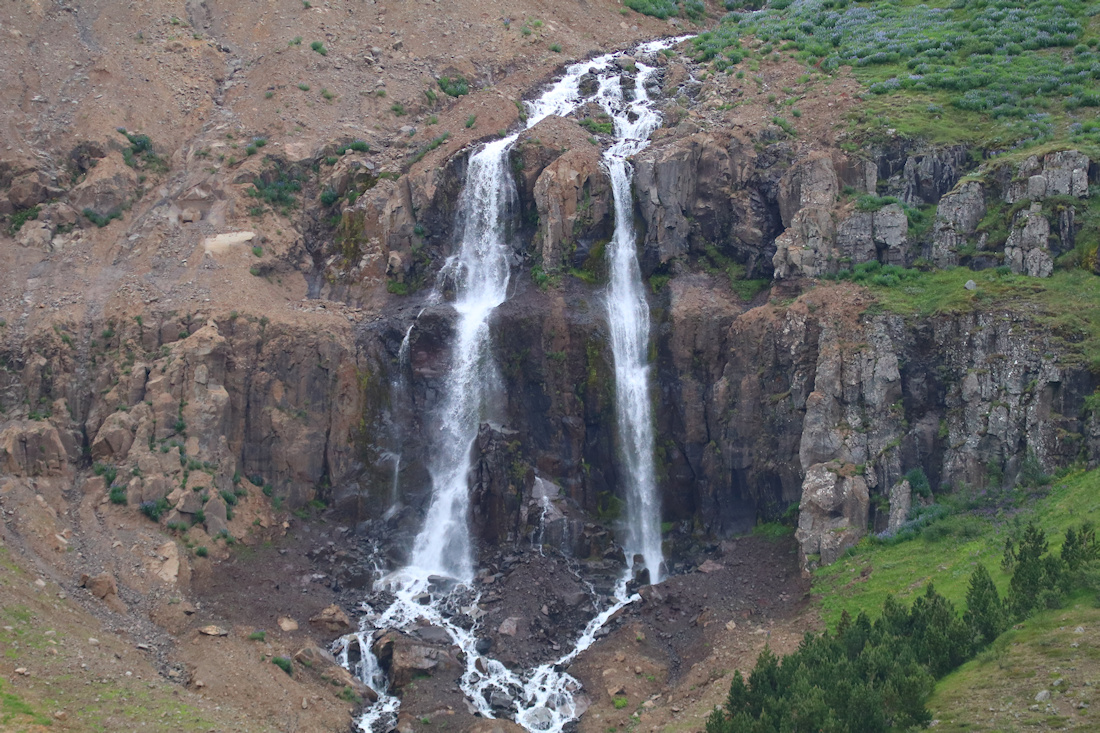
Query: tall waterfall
[[480, 271], [628, 320], [543, 698]]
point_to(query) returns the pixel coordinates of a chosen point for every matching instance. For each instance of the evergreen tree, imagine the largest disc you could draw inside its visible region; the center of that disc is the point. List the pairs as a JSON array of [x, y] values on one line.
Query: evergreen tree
[[737, 700], [940, 639], [1080, 546], [985, 613], [868, 677], [1036, 576], [763, 682]]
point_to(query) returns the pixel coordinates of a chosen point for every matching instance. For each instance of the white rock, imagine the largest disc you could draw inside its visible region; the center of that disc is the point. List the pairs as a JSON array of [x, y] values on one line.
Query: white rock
[[223, 242]]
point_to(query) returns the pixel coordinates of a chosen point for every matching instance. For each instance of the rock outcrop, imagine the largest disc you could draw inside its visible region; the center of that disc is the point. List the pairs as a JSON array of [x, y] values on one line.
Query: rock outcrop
[[812, 182], [709, 188], [957, 218], [807, 247], [562, 185], [33, 448], [1032, 194], [832, 513], [1061, 173], [1026, 250], [573, 198]]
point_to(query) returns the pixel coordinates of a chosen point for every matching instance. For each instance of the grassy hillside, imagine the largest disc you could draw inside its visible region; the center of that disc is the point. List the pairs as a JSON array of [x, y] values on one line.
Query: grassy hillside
[[1055, 651], [946, 551], [992, 72]]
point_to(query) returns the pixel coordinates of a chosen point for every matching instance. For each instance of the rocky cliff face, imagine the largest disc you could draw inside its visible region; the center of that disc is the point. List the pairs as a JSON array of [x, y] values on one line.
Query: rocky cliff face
[[760, 403], [757, 405], [187, 411], [806, 395]]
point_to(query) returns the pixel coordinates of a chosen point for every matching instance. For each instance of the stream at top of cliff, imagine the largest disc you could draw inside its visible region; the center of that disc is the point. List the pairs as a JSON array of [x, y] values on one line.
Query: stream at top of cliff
[[436, 587]]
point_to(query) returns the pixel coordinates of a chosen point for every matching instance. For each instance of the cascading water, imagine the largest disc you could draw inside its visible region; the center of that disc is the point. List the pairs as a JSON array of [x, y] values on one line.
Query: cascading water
[[544, 698], [400, 384], [480, 271], [628, 320]]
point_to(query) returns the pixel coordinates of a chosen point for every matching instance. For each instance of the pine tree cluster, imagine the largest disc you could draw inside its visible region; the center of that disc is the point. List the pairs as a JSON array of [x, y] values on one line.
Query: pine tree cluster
[[877, 676]]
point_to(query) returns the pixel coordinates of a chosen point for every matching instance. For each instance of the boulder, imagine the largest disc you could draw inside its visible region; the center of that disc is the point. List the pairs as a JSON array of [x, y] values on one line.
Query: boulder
[[168, 569], [114, 438], [321, 662], [833, 512], [216, 516], [188, 502], [29, 190], [35, 235], [405, 658], [105, 588], [509, 626], [106, 188], [314, 656], [332, 619], [32, 448]]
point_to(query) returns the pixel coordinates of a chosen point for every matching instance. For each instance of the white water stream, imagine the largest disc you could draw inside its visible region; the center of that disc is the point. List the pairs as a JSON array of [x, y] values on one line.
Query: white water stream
[[628, 319], [480, 271], [544, 698]]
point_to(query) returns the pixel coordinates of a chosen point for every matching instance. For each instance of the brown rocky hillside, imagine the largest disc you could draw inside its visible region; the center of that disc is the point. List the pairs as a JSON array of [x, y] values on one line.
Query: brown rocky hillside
[[220, 220]]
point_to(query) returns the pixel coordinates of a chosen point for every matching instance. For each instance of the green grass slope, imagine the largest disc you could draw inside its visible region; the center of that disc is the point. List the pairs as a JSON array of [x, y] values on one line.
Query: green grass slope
[[995, 691], [1055, 651], [946, 551], [989, 72]]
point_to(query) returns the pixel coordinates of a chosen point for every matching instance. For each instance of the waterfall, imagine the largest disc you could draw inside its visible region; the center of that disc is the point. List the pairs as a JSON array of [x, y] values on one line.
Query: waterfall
[[441, 568], [628, 320], [480, 272]]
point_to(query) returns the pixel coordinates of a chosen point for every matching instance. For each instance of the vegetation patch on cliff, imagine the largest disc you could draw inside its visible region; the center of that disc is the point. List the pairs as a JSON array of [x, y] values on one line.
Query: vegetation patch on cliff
[[1067, 304], [995, 72]]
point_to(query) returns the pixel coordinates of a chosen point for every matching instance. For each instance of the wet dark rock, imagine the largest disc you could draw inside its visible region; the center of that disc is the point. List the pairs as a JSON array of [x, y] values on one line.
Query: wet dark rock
[[500, 701], [433, 634], [589, 84], [405, 658]]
